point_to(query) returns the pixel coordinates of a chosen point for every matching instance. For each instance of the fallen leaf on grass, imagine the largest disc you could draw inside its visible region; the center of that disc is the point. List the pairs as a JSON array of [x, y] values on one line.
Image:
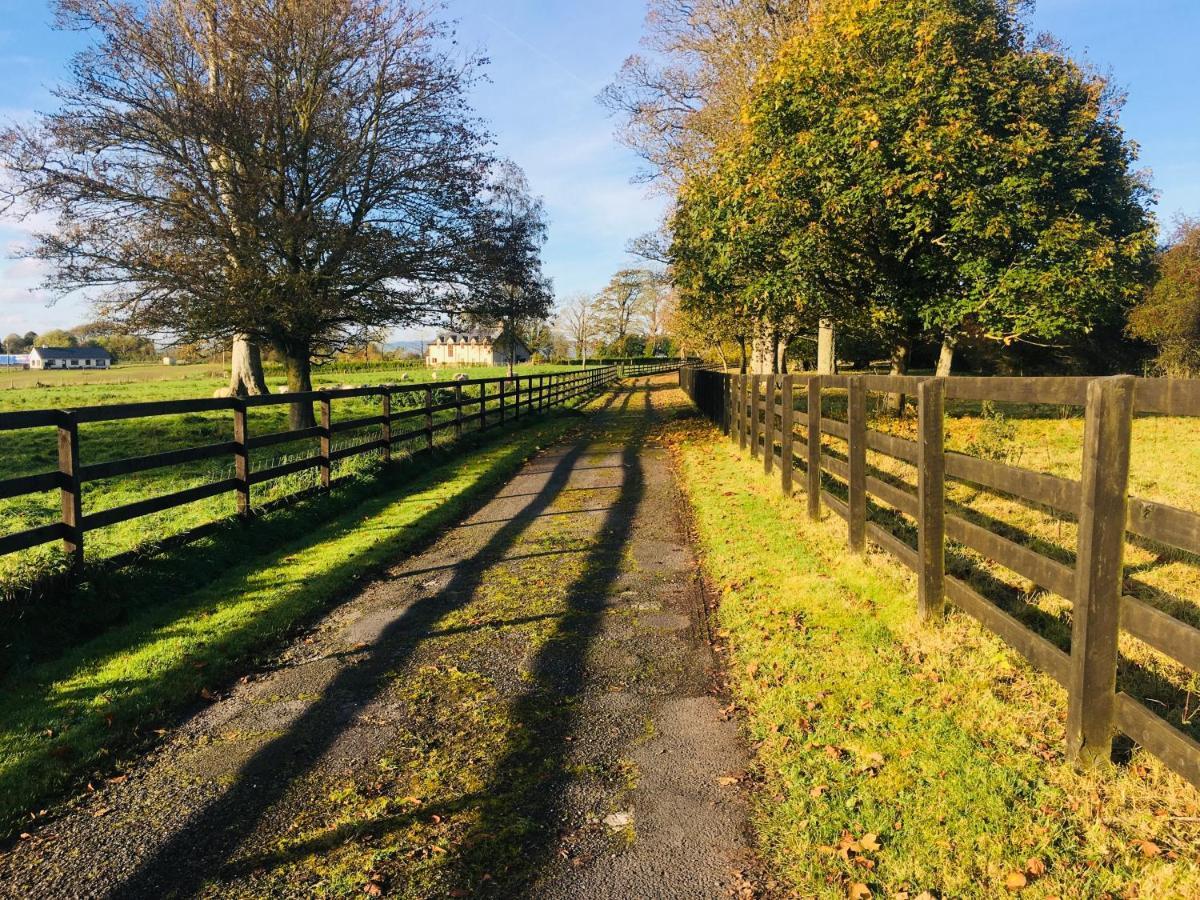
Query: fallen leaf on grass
[[1035, 867], [1148, 849], [373, 889], [726, 780], [818, 790], [1015, 881], [859, 891], [869, 842]]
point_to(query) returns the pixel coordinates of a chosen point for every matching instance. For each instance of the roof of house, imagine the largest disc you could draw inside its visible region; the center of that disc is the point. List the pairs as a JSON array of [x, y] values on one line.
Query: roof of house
[[72, 353], [484, 338], [464, 337]]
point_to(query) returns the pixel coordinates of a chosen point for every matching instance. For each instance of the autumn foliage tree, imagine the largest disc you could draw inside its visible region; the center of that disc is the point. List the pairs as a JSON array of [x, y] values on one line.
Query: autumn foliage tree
[[298, 173], [1169, 314], [919, 165]]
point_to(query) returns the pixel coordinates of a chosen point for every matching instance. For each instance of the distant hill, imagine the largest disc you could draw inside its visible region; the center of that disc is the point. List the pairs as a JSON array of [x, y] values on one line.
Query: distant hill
[[410, 346]]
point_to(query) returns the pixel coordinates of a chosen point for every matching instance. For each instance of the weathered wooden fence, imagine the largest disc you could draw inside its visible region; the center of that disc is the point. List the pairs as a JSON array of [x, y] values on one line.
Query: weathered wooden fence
[[757, 412], [494, 401]]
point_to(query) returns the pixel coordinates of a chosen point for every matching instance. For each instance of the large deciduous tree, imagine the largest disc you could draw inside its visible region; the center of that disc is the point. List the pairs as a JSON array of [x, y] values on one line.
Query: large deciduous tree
[[507, 290], [1169, 314], [297, 173], [921, 160]]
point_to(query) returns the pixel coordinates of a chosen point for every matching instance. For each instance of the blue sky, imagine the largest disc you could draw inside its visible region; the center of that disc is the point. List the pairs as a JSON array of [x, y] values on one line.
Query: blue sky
[[550, 59]]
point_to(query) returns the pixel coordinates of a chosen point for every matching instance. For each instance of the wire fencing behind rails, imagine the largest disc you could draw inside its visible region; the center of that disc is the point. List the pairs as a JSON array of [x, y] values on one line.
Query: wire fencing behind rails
[[759, 412]]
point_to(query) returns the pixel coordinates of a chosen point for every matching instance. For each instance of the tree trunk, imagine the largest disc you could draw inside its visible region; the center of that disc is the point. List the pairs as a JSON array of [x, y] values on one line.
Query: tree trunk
[[246, 377], [724, 358], [895, 402], [774, 352], [946, 357], [299, 380], [781, 355], [744, 363], [826, 348]]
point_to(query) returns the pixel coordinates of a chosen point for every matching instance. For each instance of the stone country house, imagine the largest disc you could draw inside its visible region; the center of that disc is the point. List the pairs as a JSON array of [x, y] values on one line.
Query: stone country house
[[452, 348]]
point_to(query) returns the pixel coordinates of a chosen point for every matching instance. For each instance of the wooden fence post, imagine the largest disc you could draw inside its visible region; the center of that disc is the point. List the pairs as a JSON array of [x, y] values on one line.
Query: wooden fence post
[[241, 457], [1099, 570], [769, 426], [70, 489], [428, 418], [857, 455], [502, 400], [457, 410], [931, 499], [326, 439], [755, 414], [814, 447], [385, 433], [787, 399], [742, 417], [727, 402]]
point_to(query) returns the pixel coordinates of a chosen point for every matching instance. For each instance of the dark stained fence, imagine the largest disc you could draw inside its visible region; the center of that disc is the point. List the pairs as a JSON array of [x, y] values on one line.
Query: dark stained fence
[[497, 399], [758, 410]]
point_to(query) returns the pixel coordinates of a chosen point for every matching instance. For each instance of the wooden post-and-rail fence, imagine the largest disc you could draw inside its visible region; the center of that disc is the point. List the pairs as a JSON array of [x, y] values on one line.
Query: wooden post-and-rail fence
[[497, 399], [758, 411]]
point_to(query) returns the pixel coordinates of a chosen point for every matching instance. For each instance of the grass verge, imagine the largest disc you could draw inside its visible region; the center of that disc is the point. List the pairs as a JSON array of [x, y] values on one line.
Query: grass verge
[[197, 618], [895, 758]]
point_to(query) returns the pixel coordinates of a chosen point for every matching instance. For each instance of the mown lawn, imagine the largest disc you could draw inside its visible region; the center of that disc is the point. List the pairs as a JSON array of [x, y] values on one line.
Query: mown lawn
[[894, 758], [187, 622], [33, 451]]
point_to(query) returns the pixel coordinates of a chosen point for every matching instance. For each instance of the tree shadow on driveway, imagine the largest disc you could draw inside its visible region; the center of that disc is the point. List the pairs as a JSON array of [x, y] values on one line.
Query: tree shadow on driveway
[[195, 855]]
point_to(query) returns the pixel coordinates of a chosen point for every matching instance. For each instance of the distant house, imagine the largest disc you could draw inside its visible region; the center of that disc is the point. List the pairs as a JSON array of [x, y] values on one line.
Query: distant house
[[452, 348], [69, 358]]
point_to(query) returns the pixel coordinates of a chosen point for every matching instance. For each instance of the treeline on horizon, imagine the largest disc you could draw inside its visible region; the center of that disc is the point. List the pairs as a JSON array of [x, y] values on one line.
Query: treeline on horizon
[[921, 177]]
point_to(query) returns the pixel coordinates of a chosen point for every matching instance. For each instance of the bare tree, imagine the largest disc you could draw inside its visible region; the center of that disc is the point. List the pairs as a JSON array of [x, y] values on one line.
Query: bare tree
[[294, 173], [578, 321], [684, 93], [621, 306]]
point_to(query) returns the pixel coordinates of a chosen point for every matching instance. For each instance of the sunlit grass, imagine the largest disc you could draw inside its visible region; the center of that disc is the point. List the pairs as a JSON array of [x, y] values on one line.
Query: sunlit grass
[[937, 742], [33, 451], [189, 620]]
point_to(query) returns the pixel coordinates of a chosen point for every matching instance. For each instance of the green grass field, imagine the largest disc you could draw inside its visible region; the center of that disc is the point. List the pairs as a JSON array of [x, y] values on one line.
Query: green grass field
[[32, 451], [894, 758], [85, 683]]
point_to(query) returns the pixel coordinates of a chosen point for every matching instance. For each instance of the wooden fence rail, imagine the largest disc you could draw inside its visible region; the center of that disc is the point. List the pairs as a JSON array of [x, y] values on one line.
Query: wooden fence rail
[[747, 408], [498, 399]]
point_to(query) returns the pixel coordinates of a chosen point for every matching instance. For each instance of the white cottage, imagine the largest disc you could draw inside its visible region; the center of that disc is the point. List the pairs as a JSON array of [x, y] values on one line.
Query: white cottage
[[452, 348], [69, 358]]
